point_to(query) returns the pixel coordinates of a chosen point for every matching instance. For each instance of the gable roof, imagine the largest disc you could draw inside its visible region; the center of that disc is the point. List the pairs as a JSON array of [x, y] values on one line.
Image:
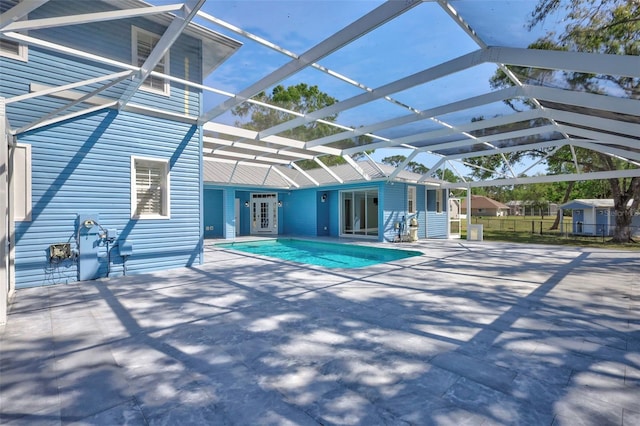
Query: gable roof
[[276, 176], [482, 202], [216, 47], [584, 203]]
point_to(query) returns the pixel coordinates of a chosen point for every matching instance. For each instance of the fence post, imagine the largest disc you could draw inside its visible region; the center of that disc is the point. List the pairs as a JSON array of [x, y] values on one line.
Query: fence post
[[533, 229], [540, 227]]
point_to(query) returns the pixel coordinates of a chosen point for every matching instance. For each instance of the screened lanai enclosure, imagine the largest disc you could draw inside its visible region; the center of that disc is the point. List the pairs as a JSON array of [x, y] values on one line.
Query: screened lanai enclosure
[[443, 83], [412, 75]]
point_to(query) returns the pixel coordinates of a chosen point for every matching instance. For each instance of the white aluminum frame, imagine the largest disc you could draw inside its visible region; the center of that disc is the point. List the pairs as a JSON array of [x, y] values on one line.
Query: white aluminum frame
[[615, 137]]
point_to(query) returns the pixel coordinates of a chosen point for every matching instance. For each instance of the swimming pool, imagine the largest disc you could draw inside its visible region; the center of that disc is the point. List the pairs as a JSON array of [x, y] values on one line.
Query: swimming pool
[[328, 255]]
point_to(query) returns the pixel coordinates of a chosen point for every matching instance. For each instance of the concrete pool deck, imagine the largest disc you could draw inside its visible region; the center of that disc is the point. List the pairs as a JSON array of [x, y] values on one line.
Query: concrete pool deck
[[469, 333]]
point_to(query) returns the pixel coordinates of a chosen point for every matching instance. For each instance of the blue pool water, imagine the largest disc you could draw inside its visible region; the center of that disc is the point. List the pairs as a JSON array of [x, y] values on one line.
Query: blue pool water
[[328, 255]]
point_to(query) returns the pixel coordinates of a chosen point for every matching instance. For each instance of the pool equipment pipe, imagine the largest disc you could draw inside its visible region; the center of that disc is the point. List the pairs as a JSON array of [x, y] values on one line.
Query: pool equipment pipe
[[94, 243]]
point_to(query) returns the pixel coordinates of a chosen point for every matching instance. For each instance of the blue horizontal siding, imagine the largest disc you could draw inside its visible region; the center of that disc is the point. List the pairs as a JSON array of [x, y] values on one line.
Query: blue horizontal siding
[[111, 39], [394, 206], [437, 223], [83, 166]]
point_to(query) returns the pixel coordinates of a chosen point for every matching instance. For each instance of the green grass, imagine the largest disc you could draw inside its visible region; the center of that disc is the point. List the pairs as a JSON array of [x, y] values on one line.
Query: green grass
[[518, 229]]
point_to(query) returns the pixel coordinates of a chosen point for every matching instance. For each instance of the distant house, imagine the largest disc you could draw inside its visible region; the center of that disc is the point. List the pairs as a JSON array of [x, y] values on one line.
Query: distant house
[[596, 217], [516, 208], [524, 208], [485, 206]]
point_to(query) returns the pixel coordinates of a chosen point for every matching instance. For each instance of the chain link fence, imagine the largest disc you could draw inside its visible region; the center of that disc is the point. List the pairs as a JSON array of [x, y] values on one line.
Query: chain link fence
[[592, 232]]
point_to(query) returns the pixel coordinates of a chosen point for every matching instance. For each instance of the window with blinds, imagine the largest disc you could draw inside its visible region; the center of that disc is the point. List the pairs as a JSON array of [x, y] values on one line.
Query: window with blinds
[[150, 188], [143, 44], [9, 48], [411, 200], [439, 196]]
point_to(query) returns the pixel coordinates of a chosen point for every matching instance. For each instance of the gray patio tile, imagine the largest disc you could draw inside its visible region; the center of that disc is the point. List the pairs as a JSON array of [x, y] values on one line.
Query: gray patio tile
[[301, 386], [186, 415], [482, 334], [630, 418], [490, 375], [584, 419], [537, 394], [161, 393], [345, 407], [578, 408], [128, 413], [480, 343], [601, 374], [385, 377], [91, 388], [616, 396], [495, 406], [36, 323], [632, 369], [34, 416], [523, 342], [27, 391], [424, 409], [535, 367]]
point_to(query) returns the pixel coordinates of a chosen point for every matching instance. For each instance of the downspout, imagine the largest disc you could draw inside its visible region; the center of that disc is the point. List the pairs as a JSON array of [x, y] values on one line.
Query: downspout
[[201, 192], [468, 209], [448, 207]]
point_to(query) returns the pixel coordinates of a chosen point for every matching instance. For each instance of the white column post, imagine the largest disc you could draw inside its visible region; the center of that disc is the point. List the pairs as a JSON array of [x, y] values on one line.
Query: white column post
[[4, 211], [468, 200]]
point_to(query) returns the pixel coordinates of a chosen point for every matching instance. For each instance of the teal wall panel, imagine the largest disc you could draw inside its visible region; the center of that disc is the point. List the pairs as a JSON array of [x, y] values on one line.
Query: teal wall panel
[[300, 213], [213, 213], [437, 223]]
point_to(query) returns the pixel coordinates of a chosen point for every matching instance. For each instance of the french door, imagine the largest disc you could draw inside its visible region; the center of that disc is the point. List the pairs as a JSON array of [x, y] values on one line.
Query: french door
[[264, 213]]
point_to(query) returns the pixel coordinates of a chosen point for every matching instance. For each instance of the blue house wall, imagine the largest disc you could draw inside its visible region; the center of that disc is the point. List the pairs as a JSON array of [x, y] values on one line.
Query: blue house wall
[[83, 165], [437, 223], [300, 212], [394, 207], [323, 213], [213, 217], [316, 211], [578, 221]]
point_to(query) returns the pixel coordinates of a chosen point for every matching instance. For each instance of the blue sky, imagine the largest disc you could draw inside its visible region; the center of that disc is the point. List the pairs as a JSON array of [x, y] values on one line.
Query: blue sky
[[419, 39]]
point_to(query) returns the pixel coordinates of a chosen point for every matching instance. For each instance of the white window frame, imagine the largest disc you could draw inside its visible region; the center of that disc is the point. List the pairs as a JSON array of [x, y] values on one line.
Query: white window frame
[[165, 188], [439, 201], [21, 183], [22, 55], [135, 31], [412, 199], [368, 232], [23, 52]]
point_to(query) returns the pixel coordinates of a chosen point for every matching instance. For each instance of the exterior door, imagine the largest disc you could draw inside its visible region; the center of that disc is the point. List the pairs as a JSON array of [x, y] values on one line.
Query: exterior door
[[264, 214], [602, 222]]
